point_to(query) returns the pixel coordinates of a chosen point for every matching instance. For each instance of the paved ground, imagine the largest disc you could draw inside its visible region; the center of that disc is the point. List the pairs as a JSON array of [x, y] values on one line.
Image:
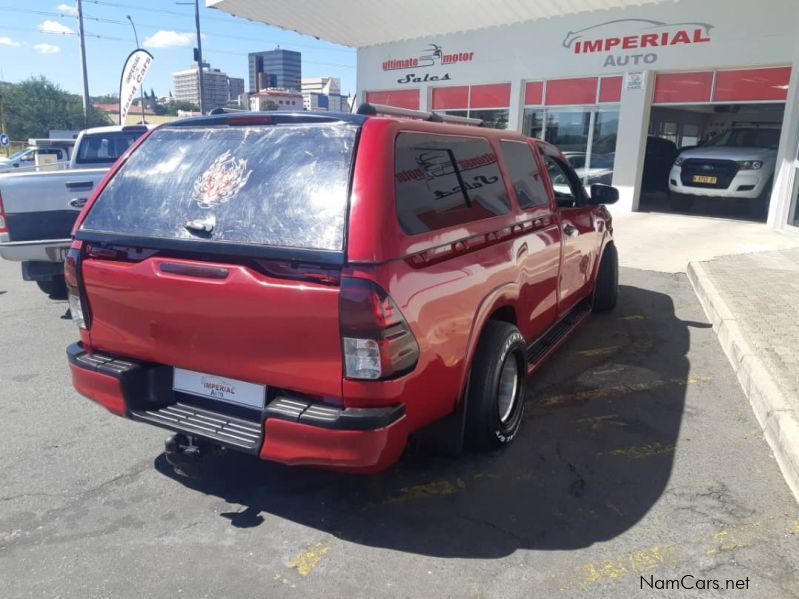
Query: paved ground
[[668, 242], [752, 300], [640, 456]]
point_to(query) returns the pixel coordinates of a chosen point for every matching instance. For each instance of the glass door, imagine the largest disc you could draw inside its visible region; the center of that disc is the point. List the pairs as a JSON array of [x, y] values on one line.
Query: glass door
[[585, 134]]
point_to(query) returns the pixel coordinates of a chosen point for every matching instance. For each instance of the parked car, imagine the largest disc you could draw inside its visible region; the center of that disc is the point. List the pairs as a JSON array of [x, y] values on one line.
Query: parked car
[[737, 164], [37, 210], [313, 288], [44, 153]]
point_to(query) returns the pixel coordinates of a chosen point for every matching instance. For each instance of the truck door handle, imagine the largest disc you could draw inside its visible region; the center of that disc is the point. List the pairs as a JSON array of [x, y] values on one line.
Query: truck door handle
[[78, 202], [74, 185], [570, 230]]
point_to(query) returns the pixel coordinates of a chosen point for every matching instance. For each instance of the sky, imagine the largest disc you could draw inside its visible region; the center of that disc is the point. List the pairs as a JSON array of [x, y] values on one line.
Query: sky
[[38, 37]]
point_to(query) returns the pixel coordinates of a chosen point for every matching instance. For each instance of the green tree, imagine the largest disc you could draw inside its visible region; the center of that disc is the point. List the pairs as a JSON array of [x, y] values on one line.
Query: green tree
[[270, 105], [173, 107], [36, 105]]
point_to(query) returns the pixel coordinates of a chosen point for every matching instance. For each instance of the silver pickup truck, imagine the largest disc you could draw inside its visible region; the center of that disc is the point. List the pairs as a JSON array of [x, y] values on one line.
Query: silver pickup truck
[[37, 210]]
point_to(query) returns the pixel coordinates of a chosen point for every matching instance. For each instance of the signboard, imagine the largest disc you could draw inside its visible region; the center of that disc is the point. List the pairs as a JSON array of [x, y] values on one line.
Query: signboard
[[133, 73], [634, 80], [4, 140]]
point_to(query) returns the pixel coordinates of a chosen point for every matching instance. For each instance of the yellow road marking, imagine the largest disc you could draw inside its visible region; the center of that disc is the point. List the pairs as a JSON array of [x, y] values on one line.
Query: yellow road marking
[[625, 565], [637, 562], [436, 488], [284, 580], [633, 317], [642, 451], [308, 559], [599, 351], [604, 392], [597, 422], [742, 536]]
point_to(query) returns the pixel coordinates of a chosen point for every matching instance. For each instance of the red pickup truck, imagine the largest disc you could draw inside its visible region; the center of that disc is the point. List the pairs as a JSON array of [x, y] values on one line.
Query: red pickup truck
[[314, 288]]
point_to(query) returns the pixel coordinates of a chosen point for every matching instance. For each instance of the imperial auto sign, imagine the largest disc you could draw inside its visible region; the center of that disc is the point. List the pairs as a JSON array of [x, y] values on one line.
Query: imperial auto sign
[[625, 42]]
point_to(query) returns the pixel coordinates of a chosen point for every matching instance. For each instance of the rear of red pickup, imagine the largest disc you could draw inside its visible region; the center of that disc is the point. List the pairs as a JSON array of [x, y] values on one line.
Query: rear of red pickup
[[209, 284]]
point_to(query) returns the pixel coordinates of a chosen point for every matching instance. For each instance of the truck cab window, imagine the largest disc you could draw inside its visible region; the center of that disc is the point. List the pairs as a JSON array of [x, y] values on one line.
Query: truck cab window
[[567, 186]]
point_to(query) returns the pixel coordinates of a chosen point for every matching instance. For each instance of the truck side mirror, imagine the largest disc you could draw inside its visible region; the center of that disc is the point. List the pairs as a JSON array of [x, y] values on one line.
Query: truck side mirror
[[604, 194]]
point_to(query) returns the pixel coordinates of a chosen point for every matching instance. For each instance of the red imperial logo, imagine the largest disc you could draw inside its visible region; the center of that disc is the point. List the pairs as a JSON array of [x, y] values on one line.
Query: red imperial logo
[[625, 35], [430, 56]]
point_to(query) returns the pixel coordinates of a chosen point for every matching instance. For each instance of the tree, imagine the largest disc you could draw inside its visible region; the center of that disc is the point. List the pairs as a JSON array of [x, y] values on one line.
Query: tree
[[173, 107], [36, 105], [270, 105]]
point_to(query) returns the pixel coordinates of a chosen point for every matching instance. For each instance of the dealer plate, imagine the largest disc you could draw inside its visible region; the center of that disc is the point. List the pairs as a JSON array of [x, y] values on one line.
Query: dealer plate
[[704, 179], [220, 388]]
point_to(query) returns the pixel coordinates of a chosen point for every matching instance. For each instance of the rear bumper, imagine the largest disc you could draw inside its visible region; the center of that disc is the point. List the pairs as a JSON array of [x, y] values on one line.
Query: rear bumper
[[48, 250], [290, 430]]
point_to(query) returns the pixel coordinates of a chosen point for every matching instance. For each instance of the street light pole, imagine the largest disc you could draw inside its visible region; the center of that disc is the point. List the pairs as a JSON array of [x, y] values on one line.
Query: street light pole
[[141, 89], [83, 62], [199, 54]]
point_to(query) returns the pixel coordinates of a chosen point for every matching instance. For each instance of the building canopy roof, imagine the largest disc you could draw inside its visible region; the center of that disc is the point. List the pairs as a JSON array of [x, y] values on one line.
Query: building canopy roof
[[359, 23]]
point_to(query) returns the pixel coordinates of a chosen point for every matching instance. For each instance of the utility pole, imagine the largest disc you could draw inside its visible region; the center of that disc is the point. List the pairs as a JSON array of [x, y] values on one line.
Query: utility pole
[[199, 52], [141, 89], [83, 62]]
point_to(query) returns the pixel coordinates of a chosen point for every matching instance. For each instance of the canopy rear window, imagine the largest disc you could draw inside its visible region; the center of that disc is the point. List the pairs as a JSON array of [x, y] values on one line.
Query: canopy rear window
[[105, 148], [273, 185]]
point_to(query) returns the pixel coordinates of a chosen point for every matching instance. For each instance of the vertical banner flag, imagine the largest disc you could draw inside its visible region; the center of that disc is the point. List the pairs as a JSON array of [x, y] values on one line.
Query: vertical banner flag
[[132, 76]]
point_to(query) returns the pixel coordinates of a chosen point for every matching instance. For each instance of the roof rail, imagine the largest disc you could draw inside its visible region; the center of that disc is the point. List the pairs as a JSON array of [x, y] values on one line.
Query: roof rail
[[436, 117]]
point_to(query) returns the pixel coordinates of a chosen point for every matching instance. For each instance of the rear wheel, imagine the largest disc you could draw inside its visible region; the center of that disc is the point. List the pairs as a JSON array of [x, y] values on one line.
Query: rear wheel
[[497, 384], [56, 288], [680, 202], [606, 288]]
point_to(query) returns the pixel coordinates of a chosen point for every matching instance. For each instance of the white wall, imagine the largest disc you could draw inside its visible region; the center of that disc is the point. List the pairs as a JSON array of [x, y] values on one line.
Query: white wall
[[742, 33]]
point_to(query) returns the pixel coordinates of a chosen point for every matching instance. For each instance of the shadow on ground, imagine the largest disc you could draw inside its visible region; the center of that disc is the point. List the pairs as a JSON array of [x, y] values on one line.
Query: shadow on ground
[[655, 201], [594, 455]]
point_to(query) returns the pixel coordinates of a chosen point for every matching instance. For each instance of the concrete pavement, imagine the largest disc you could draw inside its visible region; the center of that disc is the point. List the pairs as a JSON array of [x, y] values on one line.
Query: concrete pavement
[[752, 301]]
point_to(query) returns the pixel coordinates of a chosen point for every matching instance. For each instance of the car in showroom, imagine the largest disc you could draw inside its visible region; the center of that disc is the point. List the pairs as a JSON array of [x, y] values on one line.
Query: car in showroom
[[735, 165], [314, 288]]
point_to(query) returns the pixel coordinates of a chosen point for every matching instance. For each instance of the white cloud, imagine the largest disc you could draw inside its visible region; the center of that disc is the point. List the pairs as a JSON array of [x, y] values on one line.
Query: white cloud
[[7, 41], [54, 27], [67, 9], [169, 39], [47, 48]]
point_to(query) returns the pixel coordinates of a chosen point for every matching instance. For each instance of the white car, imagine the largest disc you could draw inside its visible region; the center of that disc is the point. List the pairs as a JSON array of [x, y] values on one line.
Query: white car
[[736, 164]]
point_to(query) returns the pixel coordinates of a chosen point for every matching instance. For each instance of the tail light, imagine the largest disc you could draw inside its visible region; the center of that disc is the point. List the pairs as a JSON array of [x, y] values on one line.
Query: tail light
[[71, 276], [3, 223], [376, 339]]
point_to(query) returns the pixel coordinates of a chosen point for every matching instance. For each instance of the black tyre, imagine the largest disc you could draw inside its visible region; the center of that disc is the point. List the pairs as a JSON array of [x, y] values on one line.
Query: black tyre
[[497, 384], [56, 288], [606, 288], [680, 202], [758, 208]]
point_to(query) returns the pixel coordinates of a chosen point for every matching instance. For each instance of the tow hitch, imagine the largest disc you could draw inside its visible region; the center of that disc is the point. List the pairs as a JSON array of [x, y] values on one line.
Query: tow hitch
[[186, 454]]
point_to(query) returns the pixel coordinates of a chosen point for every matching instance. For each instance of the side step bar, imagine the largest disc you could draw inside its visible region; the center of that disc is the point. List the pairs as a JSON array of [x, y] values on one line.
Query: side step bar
[[541, 347]]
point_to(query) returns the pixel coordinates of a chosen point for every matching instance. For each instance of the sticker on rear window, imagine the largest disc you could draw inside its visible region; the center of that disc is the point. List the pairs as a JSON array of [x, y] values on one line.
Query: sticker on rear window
[[222, 181]]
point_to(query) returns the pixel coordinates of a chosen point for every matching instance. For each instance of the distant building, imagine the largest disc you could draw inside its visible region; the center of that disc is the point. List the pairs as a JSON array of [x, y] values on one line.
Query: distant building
[[284, 99], [216, 86], [275, 68], [235, 88], [324, 94]]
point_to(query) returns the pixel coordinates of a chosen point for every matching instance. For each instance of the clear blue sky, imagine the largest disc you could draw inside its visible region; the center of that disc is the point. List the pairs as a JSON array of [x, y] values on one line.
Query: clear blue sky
[[165, 28]]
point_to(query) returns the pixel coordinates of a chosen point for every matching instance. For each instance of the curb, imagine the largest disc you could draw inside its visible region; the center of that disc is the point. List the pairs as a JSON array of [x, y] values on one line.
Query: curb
[[777, 417]]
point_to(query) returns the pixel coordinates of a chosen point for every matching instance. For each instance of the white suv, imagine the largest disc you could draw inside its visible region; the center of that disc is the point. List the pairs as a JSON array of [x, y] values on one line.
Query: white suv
[[736, 164]]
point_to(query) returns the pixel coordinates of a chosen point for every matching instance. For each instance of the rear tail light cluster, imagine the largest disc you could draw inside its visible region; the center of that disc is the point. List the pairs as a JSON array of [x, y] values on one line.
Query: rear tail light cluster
[[376, 339], [3, 223], [71, 265]]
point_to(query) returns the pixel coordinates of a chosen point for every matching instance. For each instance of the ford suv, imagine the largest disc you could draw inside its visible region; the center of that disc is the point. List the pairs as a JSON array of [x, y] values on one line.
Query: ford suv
[[736, 165], [314, 288]]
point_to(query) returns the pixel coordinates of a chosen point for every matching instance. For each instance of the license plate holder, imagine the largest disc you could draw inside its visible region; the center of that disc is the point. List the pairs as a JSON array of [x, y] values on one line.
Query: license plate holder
[[219, 388], [705, 179]]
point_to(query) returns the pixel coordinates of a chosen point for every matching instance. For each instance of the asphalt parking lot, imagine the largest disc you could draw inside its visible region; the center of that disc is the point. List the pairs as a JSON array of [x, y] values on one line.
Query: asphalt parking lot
[[640, 460]]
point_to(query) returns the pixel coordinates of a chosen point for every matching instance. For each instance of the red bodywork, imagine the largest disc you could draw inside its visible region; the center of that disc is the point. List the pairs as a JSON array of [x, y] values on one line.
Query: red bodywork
[[283, 331]]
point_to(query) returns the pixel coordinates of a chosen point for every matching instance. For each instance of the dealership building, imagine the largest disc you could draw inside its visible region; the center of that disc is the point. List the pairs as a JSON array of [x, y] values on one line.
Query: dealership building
[[599, 78]]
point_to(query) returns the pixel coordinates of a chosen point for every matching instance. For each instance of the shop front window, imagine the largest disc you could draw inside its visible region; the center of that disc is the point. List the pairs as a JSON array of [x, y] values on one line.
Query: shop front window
[[585, 135]]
